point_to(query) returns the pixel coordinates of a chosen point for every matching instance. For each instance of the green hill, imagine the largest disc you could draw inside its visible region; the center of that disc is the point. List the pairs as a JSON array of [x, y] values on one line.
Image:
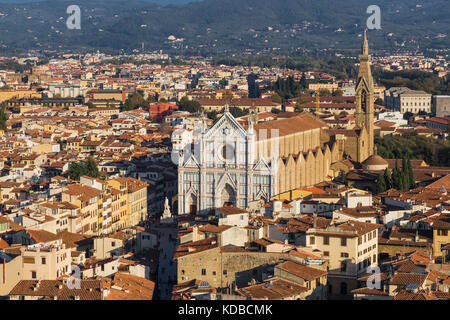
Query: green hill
[[220, 26]]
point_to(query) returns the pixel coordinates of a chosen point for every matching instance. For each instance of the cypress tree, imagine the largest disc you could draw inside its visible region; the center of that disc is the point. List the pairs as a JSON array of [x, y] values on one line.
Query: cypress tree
[[405, 175], [405, 181], [3, 119], [412, 180], [381, 184], [395, 177], [387, 179]]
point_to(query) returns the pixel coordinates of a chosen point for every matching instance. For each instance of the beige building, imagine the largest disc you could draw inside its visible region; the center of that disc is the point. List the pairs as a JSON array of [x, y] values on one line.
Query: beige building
[[323, 86], [134, 192], [261, 105], [221, 266], [89, 201], [406, 100], [33, 262], [350, 247], [45, 262], [314, 279]]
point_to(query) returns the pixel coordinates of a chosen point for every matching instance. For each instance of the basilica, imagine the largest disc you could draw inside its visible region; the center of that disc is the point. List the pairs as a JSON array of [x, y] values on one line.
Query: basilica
[[235, 164]]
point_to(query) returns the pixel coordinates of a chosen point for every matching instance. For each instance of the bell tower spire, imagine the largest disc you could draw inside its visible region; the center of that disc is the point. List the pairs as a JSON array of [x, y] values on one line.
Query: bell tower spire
[[365, 45], [364, 99]]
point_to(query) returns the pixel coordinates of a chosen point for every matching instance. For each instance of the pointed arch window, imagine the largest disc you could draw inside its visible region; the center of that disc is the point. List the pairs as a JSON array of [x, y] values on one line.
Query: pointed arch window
[[364, 100]]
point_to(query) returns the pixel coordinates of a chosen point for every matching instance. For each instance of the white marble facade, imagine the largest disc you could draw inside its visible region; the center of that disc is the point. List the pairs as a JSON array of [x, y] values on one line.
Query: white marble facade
[[223, 168]]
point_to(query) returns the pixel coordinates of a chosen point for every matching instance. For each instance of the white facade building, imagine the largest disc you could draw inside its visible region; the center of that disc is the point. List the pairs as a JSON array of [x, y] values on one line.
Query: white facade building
[[223, 169]]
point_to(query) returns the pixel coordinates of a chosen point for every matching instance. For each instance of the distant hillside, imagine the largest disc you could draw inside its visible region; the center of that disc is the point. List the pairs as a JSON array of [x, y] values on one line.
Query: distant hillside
[[219, 26]]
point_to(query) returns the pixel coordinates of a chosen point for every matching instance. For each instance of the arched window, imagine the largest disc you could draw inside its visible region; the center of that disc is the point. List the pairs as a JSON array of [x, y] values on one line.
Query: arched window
[[363, 101]]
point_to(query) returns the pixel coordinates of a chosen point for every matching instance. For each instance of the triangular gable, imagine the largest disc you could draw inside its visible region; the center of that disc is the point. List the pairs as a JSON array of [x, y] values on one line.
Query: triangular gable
[[226, 120], [190, 191], [261, 195], [362, 84], [191, 162], [261, 165], [226, 178]]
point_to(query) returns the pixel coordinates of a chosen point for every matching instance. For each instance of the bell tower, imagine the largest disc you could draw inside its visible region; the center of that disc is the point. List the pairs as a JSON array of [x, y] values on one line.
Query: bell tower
[[364, 94]]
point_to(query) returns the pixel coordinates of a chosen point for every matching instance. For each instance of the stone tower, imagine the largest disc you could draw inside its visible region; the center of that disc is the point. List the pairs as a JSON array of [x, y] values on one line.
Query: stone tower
[[365, 101]]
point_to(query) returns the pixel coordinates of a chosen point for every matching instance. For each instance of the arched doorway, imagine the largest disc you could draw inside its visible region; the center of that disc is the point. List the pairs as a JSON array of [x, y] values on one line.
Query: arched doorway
[[191, 205], [228, 196]]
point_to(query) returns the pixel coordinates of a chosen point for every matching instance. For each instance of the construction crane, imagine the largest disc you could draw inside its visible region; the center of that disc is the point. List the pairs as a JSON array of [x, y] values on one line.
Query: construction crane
[[317, 99]]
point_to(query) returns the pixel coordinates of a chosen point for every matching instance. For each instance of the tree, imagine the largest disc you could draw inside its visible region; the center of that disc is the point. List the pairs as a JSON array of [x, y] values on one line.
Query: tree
[[128, 105], [89, 168], [3, 119], [212, 115], [303, 82], [223, 83], [134, 101], [407, 115], [387, 179], [238, 112], [227, 95], [405, 174], [324, 93], [396, 177], [90, 105], [410, 172], [405, 181], [275, 110], [338, 93], [276, 98], [411, 146], [298, 106], [75, 171], [150, 99], [92, 168], [381, 184], [190, 106]]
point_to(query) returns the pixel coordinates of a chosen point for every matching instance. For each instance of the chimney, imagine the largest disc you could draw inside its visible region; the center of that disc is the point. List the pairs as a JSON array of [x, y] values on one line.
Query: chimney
[[195, 235]]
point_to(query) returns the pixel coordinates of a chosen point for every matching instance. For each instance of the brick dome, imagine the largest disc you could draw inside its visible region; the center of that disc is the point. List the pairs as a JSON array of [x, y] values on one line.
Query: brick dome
[[375, 163]]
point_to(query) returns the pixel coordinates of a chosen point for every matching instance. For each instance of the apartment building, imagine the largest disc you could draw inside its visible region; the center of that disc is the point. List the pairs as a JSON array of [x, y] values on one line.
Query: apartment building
[[133, 200], [314, 279], [90, 202], [441, 234], [406, 100], [350, 248], [42, 262]]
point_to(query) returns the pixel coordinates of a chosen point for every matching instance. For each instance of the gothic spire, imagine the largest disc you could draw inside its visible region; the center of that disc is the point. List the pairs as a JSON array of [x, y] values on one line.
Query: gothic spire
[[365, 45]]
